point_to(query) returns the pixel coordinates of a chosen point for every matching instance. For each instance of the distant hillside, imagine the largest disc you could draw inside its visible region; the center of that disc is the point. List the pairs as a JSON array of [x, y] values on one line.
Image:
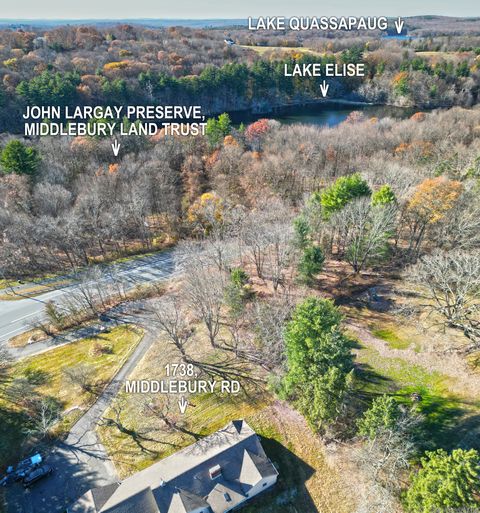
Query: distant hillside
[[424, 26], [153, 23]]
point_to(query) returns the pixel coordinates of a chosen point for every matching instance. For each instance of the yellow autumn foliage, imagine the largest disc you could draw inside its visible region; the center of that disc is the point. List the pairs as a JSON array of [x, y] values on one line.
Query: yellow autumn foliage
[[433, 198], [206, 211]]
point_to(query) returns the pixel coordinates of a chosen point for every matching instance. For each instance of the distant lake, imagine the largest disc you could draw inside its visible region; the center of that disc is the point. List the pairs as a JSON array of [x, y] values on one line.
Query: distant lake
[[323, 114], [401, 37]]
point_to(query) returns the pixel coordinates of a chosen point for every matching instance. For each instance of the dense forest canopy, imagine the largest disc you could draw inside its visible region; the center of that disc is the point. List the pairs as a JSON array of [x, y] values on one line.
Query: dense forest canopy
[[74, 203], [126, 63]]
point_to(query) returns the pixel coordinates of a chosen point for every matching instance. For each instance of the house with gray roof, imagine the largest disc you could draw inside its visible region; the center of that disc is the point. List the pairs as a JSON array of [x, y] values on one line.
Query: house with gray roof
[[216, 474]]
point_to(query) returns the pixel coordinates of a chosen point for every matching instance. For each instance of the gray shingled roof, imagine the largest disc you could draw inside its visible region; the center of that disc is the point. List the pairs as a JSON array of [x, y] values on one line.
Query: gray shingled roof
[[189, 500], [223, 497], [102, 494], [182, 482], [142, 501]]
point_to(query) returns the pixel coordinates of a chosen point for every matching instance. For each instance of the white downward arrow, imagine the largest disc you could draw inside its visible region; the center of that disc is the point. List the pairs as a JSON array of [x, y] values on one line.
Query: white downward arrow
[[182, 404], [324, 88], [399, 25], [115, 148]]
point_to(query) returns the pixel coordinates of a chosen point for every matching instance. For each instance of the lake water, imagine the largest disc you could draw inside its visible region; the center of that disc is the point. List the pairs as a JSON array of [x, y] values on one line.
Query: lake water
[[324, 114]]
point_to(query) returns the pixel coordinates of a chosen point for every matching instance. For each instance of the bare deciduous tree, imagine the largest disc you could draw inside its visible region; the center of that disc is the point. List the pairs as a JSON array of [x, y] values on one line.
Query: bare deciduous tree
[[204, 294], [461, 228], [363, 231], [279, 252], [171, 319], [378, 499], [268, 322], [450, 284], [81, 376], [95, 291], [387, 455], [43, 416]]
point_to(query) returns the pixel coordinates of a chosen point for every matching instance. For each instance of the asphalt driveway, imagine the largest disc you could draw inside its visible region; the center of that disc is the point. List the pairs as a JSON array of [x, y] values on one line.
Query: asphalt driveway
[[80, 462]]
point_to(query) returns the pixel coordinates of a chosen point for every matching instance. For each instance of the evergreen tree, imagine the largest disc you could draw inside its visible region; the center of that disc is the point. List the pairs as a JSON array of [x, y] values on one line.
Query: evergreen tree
[[302, 231], [311, 263], [445, 481], [382, 415], [18, 158], [217, 129], [319, 361], [341, 192]]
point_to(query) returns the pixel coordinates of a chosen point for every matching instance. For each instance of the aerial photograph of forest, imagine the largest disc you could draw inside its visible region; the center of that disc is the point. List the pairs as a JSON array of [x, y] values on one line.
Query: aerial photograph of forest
[[239, 257]]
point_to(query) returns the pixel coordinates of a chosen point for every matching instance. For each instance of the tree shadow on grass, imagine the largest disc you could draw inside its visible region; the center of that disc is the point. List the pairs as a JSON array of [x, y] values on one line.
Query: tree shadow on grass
[[443, 417], [37, 377], [370, 383], [11, 436], [290, 494], [468, 433]]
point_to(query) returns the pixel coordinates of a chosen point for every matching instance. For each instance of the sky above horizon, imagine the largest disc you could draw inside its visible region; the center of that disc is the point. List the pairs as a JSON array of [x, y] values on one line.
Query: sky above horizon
[[188, 9]]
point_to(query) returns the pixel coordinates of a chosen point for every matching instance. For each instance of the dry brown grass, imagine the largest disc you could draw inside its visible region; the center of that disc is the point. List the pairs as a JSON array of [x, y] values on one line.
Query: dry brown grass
[[207, 412], [26, 338], [281, 49], [301, 458]]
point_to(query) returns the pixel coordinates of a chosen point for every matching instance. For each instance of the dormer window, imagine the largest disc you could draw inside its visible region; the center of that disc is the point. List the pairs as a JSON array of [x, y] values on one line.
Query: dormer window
[[215, 472]]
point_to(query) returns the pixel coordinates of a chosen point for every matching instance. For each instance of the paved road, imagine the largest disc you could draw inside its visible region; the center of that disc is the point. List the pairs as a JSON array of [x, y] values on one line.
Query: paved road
[[80, 462], [17, 316]]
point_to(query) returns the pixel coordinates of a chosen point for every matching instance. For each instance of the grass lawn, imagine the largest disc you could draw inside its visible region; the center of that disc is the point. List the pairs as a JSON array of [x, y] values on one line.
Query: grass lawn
[[448, 415], [307, 484], [206, 414], [44, 373], [394, 337]]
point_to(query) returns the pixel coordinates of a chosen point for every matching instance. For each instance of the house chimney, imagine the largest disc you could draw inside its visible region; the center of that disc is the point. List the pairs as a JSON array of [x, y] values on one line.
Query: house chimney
[[215, 472]]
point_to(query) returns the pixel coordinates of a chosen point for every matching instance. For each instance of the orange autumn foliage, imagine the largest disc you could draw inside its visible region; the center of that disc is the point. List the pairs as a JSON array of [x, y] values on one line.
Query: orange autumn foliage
[[257, 129], [418, 116], [229, 140], [433, 198], [211, 160], [402, 75], [420, 148]]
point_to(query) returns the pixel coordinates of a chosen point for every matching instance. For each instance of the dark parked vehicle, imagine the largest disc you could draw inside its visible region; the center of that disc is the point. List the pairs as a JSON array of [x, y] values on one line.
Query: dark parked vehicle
[[27, 465], [37, 474], [7, 480]]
